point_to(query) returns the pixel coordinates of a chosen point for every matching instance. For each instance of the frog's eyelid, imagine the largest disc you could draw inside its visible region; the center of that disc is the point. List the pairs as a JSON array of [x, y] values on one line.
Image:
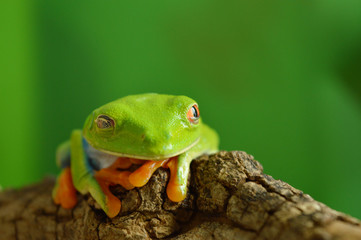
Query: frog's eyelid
[[106, 120]]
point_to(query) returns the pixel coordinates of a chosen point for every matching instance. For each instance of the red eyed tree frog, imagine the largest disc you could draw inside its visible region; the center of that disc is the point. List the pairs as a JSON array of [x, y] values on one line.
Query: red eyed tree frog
[[151, 130]]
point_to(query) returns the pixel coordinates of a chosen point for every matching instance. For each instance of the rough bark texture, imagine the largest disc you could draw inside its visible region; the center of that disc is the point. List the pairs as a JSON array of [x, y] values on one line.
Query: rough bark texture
[[229, 198]]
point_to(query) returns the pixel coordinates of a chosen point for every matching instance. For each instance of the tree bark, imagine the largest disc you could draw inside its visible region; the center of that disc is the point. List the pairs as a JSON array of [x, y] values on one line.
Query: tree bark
[[229, 198]]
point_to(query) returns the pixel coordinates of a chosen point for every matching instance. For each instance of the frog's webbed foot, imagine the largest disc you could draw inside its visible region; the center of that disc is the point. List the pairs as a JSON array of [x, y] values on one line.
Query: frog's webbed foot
[[107, 177], [141, 176], [113, 177], [177, 186], [110, 176], [64, 192]]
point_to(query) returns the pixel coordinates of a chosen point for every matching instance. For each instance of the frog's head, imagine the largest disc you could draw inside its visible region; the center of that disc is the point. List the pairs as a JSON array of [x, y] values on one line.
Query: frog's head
[[146, 126]]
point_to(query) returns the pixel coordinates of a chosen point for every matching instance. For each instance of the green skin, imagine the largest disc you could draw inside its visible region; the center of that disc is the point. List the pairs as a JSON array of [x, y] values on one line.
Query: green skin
[[146, 126]]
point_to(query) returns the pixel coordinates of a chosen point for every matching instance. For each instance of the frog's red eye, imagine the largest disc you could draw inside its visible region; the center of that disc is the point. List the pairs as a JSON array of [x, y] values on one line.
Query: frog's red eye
[[193, 114], [103, 122]]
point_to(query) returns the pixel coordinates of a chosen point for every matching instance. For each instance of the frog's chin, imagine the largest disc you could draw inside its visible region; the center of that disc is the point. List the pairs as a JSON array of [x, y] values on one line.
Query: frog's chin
[[150, 157]]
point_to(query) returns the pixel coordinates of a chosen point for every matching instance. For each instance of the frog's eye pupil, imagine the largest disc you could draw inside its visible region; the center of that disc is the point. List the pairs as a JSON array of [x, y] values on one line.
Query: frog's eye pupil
[[193, 114], [104, 122]]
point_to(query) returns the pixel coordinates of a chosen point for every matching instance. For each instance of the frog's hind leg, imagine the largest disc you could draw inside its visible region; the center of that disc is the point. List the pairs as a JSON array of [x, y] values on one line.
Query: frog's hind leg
[[64, 192]]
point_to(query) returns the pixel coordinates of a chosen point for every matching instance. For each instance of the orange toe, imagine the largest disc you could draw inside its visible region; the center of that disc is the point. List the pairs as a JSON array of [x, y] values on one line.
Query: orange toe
[[141, 176], [176, 193], [113, 203], [66, 193]]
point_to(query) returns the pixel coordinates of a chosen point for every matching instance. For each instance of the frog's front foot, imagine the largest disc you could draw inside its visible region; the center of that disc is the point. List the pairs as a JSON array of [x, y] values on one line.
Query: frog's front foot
[[107, 177], [177, 185], [114, 177], [141, 176], [64, 192], [176, 189]]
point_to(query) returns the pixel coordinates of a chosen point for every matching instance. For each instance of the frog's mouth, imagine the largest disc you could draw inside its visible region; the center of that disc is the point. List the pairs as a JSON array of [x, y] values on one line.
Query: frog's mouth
[[150, 157]]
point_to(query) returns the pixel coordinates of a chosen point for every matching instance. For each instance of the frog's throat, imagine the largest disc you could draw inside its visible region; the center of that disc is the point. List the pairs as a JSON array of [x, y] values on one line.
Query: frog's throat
[[148, 157]]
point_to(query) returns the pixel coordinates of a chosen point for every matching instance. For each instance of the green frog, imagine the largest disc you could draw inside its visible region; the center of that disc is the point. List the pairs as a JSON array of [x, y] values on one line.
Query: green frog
[[150, 130]]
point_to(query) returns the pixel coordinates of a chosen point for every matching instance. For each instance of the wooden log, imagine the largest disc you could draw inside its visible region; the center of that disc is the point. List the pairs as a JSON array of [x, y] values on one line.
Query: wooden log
[[229, 198]]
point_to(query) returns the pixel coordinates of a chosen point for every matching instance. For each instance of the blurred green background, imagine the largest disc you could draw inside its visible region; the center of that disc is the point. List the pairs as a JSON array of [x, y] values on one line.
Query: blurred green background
[[280, 80]]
